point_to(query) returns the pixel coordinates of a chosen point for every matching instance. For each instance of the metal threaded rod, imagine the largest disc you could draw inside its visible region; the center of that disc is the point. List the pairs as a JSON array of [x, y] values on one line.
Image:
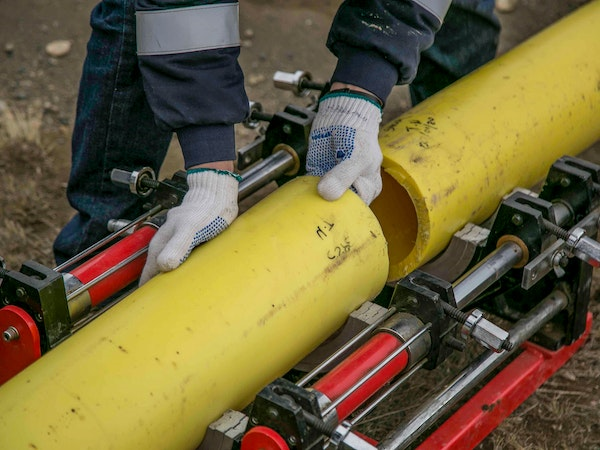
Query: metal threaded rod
[[454, 313], [319, 424], [556, 230], [149, 183]]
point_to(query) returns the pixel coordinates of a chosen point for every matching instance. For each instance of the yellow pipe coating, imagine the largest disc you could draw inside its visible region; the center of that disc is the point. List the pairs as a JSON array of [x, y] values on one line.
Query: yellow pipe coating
[[449, 160], [155, 370]]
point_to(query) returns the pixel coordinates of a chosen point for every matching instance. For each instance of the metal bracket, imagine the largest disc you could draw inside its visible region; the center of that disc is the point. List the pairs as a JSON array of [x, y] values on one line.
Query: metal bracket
[[40, 291]]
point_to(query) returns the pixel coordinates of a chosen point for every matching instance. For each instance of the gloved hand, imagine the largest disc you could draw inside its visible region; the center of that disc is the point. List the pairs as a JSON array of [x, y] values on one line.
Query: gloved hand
[[343, 147], [208, 208]]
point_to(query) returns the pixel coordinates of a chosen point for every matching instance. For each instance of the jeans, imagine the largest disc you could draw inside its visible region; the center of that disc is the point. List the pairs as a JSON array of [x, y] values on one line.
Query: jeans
[[467, 40], [114, 128]]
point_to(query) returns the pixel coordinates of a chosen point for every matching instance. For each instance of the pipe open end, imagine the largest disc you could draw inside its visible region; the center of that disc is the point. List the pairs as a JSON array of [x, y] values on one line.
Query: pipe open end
[[397, 215]]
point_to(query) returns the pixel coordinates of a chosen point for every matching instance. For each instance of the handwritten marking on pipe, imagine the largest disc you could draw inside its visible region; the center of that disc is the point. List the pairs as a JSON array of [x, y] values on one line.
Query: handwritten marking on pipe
[[323, 228], [339, 250], [422, 127]]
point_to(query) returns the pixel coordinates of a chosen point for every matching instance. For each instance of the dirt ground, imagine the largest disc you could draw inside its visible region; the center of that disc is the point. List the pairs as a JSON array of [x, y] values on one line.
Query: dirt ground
[[37, 104]]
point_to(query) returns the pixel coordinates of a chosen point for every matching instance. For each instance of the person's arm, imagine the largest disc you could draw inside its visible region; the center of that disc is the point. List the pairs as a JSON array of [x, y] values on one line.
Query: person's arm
[[377, 44], [188, 56]]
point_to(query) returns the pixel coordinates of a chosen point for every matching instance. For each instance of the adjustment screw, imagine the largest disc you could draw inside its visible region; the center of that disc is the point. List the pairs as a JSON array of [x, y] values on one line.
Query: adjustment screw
[[254, 421], [292, 440], [565, 182], [39, 317], [20, 292], [517, 220]]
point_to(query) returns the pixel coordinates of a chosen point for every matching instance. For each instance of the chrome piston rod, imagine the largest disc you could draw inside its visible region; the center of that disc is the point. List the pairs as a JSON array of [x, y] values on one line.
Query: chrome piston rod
[[264, 172], [473, 374], [487, 272]]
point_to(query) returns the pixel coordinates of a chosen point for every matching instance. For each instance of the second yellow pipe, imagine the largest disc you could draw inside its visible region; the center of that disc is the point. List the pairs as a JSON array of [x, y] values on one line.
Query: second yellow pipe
[[449, 160]]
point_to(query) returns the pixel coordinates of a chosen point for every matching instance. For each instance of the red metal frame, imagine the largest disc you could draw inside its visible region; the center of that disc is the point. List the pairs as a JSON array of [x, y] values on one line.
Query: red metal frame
[[502, 395]]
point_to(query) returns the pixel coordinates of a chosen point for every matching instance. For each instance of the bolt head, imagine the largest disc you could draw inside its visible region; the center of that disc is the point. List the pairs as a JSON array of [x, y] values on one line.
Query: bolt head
[[517, 219]]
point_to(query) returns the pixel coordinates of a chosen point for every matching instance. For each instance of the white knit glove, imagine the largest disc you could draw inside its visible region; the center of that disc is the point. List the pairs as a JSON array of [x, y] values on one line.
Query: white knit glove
[[343, 147], [208, 208]]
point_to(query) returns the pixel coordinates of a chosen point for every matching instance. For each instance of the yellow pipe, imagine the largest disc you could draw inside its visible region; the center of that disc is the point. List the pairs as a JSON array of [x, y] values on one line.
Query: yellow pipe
[[449, 160], [155, 370]]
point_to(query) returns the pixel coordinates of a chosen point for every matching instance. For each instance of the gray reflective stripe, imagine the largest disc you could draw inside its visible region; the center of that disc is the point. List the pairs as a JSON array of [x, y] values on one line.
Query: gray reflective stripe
[[438, 8], [184, 30]]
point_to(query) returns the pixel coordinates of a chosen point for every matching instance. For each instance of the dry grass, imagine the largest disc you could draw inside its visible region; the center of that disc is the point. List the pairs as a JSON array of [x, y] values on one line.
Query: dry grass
[[27, 218]]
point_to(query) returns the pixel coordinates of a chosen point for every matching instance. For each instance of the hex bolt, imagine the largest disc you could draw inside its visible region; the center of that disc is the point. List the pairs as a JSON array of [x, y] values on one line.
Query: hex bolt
[[475, 325], [273, 412], [20, 292], [10, 334], [517, 220], [565, 182], [292, 440]]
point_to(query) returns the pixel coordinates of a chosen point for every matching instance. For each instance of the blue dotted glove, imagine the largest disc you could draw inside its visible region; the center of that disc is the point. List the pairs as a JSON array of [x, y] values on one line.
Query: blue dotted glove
[[208, 208], [343, 147]]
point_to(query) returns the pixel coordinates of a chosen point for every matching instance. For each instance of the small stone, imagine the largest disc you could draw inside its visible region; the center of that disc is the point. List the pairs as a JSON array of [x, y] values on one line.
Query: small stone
[[254, 79], [59, 48], [9, 48]]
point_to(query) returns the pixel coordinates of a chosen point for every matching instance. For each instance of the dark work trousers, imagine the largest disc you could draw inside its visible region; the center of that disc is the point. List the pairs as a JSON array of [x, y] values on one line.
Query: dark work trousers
[[467, 40], [114, 128]]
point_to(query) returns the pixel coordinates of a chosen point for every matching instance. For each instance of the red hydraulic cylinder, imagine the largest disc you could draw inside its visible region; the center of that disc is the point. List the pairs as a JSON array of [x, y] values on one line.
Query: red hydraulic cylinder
[[109, 259], [342, 378]]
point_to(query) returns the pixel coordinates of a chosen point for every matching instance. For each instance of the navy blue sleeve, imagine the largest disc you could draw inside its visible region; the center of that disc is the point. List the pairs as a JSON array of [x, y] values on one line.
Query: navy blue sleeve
[[378, 43], [198, 94]]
